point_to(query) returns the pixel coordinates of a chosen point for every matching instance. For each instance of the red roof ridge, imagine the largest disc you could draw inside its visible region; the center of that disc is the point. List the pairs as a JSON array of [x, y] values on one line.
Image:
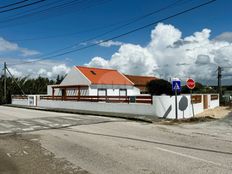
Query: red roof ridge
[[149, 76], [96, 68]]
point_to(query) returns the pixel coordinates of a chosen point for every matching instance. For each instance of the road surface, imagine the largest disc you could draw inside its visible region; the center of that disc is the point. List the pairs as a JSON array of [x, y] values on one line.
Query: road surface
[[101, 145]]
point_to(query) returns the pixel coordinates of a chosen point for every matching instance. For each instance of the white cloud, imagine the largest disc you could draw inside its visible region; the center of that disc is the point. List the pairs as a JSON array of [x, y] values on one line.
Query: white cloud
[[168, 54], [46, 68], [99, 62], [202, 59], [26, 52], [225, 36], [131, 59], [51, 70], [6, 46], [15, 72], [110, 43]]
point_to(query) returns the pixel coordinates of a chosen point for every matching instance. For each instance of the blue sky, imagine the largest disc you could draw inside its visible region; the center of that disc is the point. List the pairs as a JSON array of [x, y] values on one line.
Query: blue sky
[[93, 17]]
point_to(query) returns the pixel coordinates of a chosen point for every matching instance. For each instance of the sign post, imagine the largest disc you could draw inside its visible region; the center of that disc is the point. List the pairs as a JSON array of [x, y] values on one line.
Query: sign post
[[176, 87], [191, 85]]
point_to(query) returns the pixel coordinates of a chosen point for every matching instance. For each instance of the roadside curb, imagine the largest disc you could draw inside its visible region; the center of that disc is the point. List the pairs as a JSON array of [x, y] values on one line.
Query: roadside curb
[[148, 119]]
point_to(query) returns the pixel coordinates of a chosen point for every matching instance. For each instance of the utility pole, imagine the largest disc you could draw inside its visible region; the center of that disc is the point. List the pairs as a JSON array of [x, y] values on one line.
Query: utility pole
[[4, 69], [15, 81], [220, 82]]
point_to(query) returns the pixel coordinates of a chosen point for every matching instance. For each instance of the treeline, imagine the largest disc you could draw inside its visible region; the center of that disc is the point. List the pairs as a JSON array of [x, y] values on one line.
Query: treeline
[[28, 85]]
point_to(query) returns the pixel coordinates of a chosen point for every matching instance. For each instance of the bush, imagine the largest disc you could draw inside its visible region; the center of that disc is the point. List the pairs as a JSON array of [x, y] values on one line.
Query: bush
[[159, 87]]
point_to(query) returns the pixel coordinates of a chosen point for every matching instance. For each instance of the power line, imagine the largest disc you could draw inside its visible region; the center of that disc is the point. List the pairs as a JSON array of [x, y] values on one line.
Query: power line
[[45, 15], [22, 6], [117, 28], [16, 3], [61, 35], [136, 19], [121, 35], [43, 11], [32, 9], [14, 80]]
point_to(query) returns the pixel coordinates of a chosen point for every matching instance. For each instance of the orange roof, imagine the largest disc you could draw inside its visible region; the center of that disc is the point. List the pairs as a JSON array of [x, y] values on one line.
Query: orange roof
[[140, 81], [104, 76]]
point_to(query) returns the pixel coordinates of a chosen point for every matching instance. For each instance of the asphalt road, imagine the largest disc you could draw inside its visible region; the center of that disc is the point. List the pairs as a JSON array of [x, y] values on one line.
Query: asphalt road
[[103, 145]]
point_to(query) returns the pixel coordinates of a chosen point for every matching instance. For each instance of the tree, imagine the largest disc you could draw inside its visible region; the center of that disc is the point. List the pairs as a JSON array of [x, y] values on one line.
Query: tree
[[29, 86], [159, 87], [59, 79], [199, 88]]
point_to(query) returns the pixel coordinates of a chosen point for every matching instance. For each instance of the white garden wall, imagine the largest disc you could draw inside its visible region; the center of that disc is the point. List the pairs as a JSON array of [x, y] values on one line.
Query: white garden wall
[[121, 108], [23, 102], [163, 106]]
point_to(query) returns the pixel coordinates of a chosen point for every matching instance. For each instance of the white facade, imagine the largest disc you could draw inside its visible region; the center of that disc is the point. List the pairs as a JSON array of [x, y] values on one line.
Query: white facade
[[114, 90], [75, 77]]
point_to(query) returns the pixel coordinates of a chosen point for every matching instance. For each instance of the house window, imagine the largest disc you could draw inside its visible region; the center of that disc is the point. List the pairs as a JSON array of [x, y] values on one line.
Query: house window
[[102, 92], [122, 92]]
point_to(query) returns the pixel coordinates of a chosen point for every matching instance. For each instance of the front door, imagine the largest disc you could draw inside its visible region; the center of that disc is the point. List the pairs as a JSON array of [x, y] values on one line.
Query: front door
[[63, 94]]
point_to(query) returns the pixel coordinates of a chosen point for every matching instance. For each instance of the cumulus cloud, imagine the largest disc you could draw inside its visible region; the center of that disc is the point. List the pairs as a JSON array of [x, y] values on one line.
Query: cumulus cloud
[[131, 59], [225, 36], [203, 60], [168, 54], [99, 62], [46, 68], [15, 72], [7, 46]]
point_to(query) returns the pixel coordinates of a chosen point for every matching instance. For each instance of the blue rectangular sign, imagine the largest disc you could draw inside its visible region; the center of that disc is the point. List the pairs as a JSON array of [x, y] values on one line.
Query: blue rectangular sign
[[176, 85]]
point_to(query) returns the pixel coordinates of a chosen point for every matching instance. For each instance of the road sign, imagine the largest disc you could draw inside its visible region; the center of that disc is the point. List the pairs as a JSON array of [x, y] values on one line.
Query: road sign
[[176, 85], [190, 83]]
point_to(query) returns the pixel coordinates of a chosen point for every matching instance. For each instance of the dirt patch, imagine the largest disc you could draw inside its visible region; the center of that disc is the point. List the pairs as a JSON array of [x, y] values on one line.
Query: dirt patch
[[23, 154], [207, 115], [218, 112]]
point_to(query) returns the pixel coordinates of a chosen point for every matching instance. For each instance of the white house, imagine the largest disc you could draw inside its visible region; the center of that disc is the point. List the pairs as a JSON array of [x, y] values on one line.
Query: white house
[[94, 82]]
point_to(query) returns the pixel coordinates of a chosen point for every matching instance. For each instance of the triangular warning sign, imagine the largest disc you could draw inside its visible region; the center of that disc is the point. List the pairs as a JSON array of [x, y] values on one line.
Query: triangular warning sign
[[176, 86]]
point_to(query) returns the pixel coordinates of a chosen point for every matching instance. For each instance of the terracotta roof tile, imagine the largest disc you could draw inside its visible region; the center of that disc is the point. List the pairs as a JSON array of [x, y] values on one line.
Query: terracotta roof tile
[[104, 76], [140, 81]]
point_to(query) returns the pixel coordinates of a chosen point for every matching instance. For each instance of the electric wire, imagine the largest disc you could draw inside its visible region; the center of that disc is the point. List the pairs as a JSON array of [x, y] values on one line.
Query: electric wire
[[121, 35], [13, 4], [114, 29], [117, 28], [43, 11], [22, 6]]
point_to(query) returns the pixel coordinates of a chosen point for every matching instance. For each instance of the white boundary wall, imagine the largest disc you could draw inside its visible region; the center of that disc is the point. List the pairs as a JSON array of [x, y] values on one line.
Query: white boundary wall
[[163, 106], [122, 108]]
